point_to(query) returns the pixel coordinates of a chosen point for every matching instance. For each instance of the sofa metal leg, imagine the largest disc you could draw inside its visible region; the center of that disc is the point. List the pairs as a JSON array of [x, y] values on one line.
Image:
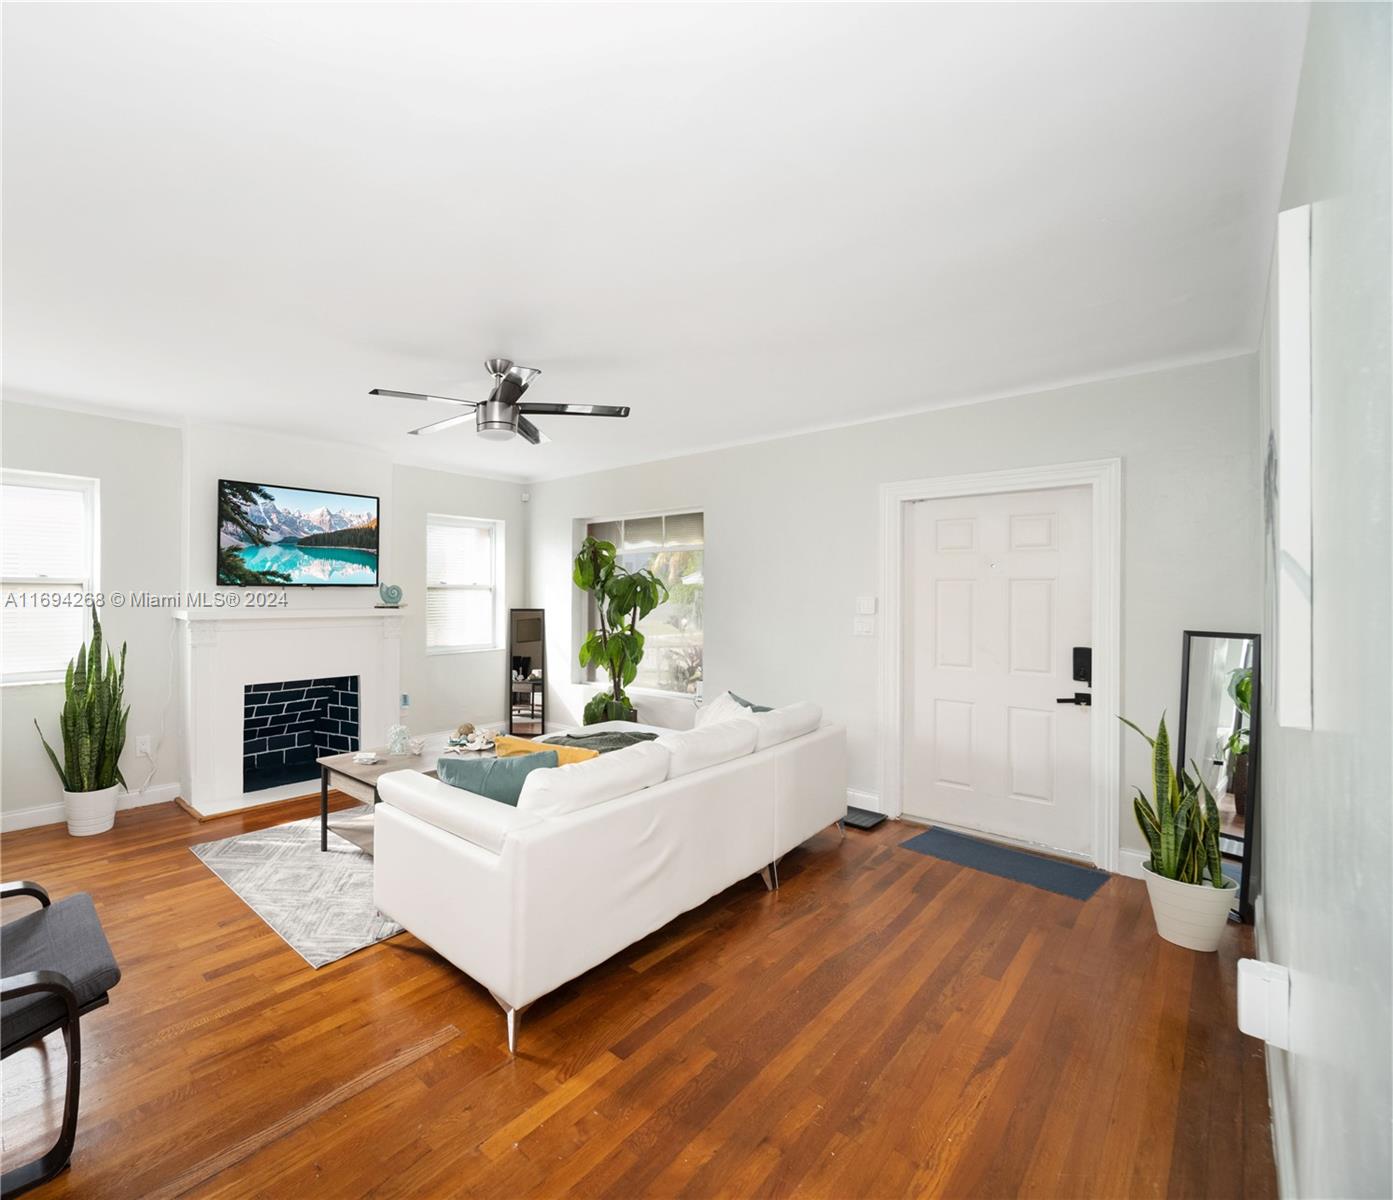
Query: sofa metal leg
[[770, 875], [514, 1019]]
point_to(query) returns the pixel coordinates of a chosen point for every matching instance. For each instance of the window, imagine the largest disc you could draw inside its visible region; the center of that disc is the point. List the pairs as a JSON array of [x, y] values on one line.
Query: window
[[1293, 499], [672, 546], [463, 569], [49, 567]]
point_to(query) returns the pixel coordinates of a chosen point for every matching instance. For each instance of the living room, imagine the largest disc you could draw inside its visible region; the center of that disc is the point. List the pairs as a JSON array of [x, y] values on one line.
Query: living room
[[620, 537]]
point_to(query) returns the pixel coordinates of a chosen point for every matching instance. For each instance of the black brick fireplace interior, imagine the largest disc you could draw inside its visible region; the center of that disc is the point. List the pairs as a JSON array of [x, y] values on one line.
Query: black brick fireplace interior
[[287, 725]]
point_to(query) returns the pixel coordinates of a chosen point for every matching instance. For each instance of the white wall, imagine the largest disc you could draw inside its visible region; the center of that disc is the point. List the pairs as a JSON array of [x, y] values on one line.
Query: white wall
[[447, 689], [1327, 817], [791, 538], [139, 466], [226, 452]]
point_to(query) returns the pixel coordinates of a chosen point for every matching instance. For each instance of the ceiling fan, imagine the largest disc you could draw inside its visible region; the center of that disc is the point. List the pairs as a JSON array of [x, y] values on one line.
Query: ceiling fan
[[503, 414]]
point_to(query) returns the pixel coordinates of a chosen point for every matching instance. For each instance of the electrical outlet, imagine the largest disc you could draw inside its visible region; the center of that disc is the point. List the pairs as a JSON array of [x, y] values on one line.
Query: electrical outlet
[[863, 627], [142, 745], [865, 606]]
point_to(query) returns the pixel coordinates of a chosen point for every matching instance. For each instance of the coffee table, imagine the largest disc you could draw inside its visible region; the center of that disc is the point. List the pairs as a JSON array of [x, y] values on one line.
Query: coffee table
[[338, 772]]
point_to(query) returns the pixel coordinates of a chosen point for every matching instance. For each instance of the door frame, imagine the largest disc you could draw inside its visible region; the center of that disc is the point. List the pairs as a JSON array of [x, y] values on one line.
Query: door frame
[[1103, 477]]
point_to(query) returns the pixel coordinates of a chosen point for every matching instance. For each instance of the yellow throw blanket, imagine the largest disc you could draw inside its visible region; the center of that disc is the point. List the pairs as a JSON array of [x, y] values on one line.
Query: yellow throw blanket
[[508, 746]]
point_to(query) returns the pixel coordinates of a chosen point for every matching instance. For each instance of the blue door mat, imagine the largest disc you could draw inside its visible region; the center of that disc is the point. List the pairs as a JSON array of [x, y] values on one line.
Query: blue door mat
[[1065, 879]]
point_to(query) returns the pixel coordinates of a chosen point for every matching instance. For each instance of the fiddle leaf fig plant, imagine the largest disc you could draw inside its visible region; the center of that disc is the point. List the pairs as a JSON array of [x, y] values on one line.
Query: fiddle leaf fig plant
[[1181, 822], [622, 598]]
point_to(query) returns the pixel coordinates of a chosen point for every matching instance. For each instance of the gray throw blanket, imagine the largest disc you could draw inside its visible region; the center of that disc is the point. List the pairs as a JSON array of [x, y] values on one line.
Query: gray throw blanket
[[603, 742]]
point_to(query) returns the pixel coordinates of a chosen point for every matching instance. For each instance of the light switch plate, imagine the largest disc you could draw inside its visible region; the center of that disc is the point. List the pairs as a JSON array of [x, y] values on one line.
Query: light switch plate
[[865, 606], [863, 627]]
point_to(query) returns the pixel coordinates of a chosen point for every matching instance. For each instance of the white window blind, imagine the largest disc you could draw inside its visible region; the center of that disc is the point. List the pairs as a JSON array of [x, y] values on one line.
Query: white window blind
[[673, 547], [47, 569], [463, 565]]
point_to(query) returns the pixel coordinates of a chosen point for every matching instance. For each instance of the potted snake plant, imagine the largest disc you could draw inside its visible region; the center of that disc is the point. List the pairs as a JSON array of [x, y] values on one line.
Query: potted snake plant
[[1189, 892], [93, 725]]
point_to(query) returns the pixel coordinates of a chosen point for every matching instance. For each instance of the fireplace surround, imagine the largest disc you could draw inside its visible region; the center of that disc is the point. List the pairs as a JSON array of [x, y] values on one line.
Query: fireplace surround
[[224, 651]]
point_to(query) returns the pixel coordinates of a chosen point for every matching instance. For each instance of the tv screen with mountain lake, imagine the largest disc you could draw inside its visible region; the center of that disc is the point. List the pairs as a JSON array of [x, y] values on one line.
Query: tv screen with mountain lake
[[271, 536]]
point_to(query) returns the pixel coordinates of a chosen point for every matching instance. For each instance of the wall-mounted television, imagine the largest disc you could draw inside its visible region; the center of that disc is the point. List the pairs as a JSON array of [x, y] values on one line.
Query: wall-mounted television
[[273, 536]]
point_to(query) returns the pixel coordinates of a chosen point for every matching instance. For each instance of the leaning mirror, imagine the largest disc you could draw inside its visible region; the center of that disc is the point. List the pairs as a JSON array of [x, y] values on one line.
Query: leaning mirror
[[1218, 737], [527, 645]]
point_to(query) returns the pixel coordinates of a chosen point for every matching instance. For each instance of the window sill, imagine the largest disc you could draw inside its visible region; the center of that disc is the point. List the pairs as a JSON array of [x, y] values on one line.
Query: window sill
[[55, 679], [434, 650]]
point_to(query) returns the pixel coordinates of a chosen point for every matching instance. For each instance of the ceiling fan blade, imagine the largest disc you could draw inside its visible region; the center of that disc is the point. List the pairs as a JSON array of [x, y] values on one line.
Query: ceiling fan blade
[[448, 422], [575, 410], [531, 432], [422, 396]]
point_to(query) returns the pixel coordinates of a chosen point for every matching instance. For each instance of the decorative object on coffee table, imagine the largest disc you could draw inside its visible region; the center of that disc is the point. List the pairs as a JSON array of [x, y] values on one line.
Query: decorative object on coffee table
[[398, 740]]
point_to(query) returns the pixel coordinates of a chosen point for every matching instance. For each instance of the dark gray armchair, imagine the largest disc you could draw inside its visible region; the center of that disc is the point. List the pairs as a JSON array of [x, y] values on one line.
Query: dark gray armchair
[[57, 967]]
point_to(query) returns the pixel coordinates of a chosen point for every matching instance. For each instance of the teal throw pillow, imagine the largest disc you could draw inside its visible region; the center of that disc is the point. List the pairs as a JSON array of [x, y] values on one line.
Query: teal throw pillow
[[750, 704], [497, 778]]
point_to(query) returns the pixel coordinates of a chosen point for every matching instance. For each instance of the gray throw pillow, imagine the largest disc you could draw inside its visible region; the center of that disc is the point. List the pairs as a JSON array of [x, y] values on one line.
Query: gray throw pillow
[[497, 778], [750, 704]]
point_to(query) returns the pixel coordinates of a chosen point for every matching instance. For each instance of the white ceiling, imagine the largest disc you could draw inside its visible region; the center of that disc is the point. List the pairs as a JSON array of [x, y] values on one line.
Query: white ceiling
[[740, 220]]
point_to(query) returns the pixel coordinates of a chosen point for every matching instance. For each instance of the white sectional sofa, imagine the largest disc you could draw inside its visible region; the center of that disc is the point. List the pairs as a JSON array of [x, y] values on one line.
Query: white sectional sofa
[[600, 853]]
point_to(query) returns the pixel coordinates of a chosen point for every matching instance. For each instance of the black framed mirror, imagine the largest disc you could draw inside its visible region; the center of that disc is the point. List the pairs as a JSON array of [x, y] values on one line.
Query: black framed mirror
[[1220, 736], [527, 652]]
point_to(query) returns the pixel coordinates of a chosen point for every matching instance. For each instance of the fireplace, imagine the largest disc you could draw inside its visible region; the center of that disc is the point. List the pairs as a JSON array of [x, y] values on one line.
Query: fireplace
[[287, 725]]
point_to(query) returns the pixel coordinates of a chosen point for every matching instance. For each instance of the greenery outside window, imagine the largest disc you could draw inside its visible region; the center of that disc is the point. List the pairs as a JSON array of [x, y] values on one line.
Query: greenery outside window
[[672, 546]]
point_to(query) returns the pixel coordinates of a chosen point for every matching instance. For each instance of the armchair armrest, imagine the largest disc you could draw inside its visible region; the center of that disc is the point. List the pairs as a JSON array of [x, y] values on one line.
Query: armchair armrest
[[14, 986], [23, 887]]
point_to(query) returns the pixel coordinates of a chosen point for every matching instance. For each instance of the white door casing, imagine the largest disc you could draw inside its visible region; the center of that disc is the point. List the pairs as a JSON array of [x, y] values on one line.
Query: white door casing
[[997, 593], [1103, 477]]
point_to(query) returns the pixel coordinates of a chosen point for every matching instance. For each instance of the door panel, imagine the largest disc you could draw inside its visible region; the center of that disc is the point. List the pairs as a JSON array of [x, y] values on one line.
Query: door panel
[[998, 593]]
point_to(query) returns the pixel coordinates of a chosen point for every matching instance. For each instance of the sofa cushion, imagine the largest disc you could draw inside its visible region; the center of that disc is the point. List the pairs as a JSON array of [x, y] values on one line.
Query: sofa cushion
[[750, 704], [498, 779], [581, 785], [694, 749], [510, 747], [474, 818], [724, 707], [783, 724]]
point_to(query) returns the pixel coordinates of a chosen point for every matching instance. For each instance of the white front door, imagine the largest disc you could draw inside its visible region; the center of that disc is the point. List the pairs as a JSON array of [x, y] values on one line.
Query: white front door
[[998, 594]]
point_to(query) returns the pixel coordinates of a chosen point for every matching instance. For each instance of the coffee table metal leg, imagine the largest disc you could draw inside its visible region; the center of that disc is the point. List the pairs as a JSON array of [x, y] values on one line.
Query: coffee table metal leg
[[324, 808]]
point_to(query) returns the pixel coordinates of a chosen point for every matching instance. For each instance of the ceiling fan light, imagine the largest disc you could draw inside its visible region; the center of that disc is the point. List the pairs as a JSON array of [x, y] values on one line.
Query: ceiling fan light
[[496, 432]]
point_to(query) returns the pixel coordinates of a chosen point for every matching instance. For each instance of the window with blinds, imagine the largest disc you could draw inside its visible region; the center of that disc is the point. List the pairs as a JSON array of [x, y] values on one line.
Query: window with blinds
[[673, 547], [463, 567], [48, 570]]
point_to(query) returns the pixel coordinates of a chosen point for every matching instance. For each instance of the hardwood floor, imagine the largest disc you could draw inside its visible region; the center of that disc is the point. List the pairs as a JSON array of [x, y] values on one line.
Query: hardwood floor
[[887, 1024]]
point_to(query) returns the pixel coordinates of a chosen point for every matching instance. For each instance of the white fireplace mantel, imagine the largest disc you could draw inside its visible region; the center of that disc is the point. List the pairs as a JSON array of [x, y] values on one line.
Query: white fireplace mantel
[[225, 649]]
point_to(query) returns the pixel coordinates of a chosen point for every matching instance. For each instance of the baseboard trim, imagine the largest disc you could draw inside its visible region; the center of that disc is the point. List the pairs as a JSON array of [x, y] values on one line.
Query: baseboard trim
[[1129, 862], [855, 798], [52, 814]]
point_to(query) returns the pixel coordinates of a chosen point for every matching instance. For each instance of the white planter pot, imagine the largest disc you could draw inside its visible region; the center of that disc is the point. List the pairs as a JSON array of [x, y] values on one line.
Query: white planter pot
[[90, 812], [1192, 915]]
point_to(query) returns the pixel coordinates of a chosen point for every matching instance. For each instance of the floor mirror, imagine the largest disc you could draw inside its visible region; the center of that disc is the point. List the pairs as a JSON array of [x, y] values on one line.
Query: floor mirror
[[527, 693], [1219, 736]]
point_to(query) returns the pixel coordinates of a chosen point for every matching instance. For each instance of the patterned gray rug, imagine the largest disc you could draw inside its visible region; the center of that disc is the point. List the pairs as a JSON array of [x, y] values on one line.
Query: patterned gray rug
[[320, 902]]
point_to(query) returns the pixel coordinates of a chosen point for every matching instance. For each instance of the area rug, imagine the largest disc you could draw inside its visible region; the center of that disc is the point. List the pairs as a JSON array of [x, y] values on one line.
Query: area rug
[[1051, 875], [319, 901]]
